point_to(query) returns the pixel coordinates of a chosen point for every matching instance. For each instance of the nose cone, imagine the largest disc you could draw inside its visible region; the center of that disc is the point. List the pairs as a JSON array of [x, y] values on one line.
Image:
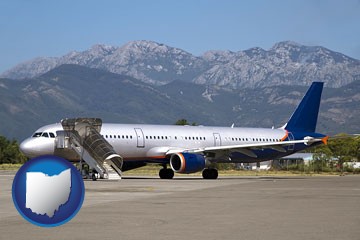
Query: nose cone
[[37, 146], [27, 147]]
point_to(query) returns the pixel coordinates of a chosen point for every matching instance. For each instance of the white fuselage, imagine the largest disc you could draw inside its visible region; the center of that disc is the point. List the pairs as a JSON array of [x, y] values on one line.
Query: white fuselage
[[145, 142]]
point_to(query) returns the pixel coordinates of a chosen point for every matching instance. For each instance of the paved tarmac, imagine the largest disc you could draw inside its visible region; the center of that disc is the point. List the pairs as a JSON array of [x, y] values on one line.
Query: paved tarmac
[[193, 208]]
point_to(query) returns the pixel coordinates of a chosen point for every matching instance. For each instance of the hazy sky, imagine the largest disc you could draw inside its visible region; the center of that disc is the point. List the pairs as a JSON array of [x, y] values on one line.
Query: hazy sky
[[30, 29]]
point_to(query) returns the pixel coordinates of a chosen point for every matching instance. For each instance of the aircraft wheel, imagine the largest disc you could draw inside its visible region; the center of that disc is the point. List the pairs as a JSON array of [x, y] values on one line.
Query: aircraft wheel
[[93, 177], [166, 173], [214, 173], [210, 173], [205, 173]]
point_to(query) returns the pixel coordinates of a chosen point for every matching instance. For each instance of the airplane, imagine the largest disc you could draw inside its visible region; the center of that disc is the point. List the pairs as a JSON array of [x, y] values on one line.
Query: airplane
[[190, 149]]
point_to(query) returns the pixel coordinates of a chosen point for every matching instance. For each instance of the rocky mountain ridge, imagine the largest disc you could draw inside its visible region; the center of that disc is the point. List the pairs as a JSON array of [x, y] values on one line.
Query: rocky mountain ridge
[[286, 63]]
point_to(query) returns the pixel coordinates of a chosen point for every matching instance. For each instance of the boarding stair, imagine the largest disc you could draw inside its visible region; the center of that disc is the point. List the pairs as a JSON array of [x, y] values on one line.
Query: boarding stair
[[82, 136]]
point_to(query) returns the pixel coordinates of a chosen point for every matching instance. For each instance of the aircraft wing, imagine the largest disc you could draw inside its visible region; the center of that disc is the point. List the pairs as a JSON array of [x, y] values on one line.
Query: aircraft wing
[[247, 148]]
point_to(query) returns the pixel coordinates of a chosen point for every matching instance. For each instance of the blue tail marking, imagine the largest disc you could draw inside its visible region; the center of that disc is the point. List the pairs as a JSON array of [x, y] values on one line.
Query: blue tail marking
[[305, 117]]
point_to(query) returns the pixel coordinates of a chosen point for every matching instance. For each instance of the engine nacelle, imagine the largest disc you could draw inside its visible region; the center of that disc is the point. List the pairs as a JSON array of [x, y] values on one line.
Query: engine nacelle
[[187, 162]]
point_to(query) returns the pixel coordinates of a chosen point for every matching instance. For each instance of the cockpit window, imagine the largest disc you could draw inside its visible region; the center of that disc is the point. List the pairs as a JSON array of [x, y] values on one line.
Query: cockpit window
[[44, 134], [37, 134]]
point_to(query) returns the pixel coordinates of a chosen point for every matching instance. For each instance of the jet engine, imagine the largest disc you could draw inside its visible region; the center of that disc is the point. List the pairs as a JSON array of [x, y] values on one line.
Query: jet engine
[[187, 162]]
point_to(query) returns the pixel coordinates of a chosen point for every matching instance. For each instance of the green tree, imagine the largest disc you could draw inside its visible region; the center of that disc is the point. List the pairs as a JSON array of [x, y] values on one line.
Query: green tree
[[322, 157], [357, 147], [9, 152], [344, 148], [184, 122]]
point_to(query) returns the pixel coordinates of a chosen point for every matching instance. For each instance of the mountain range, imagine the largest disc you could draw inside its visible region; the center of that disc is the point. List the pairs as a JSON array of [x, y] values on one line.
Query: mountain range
[[71, 90], [286, 63], [149, 82]]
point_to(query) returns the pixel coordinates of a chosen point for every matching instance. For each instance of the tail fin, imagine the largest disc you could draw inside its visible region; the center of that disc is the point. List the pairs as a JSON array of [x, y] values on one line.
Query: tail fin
[[304, 118]]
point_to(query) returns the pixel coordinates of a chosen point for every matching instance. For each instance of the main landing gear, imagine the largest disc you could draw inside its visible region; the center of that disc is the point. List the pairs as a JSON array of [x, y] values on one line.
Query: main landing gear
[[207, 173], [210, 173], [166, 173]]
